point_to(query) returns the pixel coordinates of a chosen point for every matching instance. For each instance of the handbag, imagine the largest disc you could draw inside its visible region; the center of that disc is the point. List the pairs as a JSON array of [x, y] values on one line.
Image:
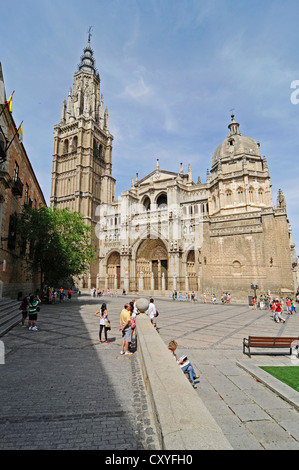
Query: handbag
[[107, 325]]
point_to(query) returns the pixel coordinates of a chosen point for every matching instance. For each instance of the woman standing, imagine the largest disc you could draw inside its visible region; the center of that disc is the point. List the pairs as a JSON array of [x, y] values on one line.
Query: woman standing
[[25, 309], [103, 314]]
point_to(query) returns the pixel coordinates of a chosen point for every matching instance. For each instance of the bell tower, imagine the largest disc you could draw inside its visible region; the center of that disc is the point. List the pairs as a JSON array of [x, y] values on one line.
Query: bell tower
[[82, 157]]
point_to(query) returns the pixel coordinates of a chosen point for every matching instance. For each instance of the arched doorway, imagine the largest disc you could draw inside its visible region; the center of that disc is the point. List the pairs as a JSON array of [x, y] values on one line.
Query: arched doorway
[[113, 270], [152, 262]]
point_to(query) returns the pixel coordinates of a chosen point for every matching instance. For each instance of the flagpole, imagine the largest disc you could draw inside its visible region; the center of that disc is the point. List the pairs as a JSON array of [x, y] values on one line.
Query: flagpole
[[14, 136], [4, 106]]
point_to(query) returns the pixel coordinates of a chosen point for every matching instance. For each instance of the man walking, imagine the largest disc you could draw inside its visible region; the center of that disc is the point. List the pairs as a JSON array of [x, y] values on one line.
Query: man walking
[[125, 327]]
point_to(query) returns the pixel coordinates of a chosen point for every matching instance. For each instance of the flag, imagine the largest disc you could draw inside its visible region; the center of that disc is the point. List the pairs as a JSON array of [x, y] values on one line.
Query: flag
[[9, 103], [20, 132]]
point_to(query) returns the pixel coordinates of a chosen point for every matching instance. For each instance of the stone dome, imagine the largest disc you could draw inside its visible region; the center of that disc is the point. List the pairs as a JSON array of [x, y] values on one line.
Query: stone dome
[[235, 144]]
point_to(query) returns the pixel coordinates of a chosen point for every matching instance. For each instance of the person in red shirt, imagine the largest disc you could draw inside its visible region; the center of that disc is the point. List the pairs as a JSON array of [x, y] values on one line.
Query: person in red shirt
[[288, 305], [278, 311]]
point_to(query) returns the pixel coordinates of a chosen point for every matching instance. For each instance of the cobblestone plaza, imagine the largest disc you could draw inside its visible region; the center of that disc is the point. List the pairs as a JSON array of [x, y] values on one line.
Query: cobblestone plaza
[[61, 389]]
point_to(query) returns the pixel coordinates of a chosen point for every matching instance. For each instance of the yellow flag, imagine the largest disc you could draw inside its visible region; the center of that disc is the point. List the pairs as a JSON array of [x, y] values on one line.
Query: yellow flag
[[9, 103], [20, 132]]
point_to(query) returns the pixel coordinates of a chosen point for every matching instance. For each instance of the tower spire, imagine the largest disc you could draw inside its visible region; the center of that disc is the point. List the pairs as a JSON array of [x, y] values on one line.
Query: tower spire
[[87, 63]]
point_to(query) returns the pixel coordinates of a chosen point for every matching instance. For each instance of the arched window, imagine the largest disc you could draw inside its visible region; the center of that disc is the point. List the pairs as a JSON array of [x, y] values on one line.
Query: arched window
[[261, 196], [229, 199], [250, 194], [147, 203], [240, 195], [66, 146], [162, 201], [75, 143]]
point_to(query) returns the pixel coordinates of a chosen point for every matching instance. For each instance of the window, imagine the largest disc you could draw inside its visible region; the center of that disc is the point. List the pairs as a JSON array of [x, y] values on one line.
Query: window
[[250, 194], [16, 172], [26, 197], [261, 196], [162, 201], [240, 195], [12, 232], [66, 146], [75, 143], [147, 204], [228, 197]]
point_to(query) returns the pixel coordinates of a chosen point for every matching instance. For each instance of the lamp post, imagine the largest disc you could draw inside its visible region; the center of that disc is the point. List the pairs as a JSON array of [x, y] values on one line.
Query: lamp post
[[254, 287]]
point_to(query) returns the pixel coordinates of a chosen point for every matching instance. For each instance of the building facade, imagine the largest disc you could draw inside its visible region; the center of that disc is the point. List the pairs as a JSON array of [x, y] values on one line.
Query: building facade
[[167, 232], [18, 187]]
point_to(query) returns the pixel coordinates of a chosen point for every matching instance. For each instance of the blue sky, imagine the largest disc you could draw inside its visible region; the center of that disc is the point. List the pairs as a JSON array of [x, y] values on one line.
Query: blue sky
[[171, 71]]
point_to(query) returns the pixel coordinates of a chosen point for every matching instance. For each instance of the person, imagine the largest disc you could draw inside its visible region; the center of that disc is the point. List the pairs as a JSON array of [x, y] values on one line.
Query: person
[[134, 313], [25, 309], [253, 303], [69, 294], [184, 363], [103, 314], [33, 309], [125, 328], [152, 313], [272, 306], [293, 307], [288, 305], [278, 311]]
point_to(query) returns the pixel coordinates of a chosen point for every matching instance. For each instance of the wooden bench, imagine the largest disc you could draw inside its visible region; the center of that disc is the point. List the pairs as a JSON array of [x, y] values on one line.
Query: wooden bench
[[270, 342]]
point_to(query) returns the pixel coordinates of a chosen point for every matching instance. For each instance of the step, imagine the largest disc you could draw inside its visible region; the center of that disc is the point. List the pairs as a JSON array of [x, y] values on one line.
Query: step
[[11, 323], [10, 315]]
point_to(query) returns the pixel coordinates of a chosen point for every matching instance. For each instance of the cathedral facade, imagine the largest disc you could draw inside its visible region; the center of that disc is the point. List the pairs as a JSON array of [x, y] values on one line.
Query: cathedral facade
[[167, 232]]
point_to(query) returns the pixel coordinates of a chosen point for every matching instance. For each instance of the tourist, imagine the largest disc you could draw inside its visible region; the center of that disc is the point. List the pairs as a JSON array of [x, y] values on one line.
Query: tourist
[[125, 328], [184, 363], [293, 307], [103, 314], [253, 303], [34, 300], [134, 313], [278, 312], [288, 305], [152, 312], [24, 307]]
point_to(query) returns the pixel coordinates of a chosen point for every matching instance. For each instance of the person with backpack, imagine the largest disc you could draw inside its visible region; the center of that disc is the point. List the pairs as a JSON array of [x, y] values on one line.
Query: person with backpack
[[34, 300]]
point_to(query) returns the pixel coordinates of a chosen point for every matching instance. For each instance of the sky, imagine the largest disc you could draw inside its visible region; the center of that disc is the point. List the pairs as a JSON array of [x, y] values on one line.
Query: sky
[[171, 73]]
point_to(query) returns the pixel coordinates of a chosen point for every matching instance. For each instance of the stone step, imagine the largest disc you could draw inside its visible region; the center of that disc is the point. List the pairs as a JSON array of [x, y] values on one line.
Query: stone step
[[10, 315]]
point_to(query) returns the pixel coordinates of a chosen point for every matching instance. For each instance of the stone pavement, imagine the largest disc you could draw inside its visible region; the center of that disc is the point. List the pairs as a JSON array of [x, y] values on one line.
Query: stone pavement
[[61, 389], [250, 415]]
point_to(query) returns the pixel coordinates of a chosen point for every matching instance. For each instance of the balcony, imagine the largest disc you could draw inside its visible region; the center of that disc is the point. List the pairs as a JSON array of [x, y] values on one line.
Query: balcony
[[17, 187]]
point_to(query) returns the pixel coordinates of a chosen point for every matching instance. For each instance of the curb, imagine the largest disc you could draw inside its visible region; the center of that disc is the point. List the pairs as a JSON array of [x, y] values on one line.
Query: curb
[[182, 420], [284, 391]]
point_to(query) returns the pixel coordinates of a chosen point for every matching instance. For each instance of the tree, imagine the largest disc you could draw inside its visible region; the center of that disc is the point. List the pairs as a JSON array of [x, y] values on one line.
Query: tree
[[57, 242]]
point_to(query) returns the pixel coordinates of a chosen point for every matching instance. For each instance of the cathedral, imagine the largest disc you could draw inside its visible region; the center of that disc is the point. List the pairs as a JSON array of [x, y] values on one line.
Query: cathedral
[[166, 232]]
